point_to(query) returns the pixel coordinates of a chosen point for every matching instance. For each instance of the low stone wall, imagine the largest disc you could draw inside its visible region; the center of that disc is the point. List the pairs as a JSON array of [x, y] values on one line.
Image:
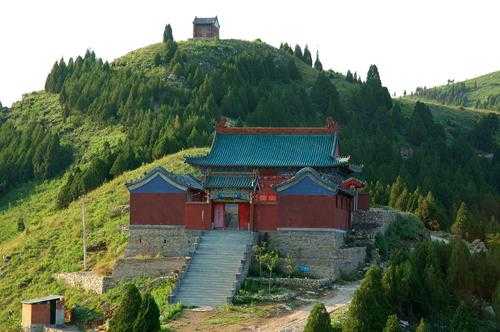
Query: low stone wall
[[162, 240], [295, 283], [87, 280], [319, 251], [373, 221], [127, 268]]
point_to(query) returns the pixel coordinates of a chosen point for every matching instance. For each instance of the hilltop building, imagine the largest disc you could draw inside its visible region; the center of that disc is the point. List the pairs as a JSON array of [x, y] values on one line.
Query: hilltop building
[[206, 27]]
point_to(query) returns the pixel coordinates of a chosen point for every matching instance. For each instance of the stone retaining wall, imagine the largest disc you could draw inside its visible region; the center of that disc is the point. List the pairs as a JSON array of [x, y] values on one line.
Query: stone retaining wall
[[162, 240], [86, 280], [320, 251], [127, 268]]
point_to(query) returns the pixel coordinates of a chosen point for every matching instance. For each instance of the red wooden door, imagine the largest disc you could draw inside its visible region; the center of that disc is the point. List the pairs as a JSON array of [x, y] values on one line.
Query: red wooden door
[[218, 215], [244, 215]]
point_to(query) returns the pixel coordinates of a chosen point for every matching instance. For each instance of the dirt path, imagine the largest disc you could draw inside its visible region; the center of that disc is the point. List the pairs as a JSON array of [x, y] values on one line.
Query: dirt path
[[247, 320], [296, 320]]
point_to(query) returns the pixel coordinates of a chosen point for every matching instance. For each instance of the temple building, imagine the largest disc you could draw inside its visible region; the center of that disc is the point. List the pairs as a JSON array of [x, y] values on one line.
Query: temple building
[[206, 28], [256, 179]]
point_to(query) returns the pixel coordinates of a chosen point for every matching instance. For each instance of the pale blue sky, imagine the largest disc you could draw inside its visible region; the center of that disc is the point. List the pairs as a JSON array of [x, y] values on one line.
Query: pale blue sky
[[414, 43]]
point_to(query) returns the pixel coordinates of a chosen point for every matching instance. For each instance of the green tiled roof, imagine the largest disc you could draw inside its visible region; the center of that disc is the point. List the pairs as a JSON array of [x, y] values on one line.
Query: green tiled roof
[[230, 181], [271, 150]]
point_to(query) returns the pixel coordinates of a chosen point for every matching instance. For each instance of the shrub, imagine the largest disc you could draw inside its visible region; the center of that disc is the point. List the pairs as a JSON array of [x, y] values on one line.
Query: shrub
[[392, 324], [422, 326], [369, 307], [148, 318], [127, 310], [318, 320]]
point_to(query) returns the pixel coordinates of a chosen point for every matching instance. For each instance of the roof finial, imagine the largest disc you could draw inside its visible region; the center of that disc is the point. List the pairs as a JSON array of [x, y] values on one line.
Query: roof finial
[[222, 123], [331, 124]]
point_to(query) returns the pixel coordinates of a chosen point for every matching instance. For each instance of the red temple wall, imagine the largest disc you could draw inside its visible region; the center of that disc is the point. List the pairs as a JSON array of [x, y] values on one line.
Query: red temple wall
[[198, 215], [265, 216], [157, 208], [311, 211], [363, 201]]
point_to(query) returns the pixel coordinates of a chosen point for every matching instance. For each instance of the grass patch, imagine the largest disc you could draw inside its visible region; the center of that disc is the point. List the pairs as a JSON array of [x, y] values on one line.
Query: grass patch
[[232, 315], [52, 241]]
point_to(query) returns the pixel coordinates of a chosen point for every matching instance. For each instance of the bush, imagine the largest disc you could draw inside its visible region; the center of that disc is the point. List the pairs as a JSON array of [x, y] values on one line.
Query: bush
[[369, 307], [406, 230], [148, 319], [127, 310], [318, 320], [392, 324]]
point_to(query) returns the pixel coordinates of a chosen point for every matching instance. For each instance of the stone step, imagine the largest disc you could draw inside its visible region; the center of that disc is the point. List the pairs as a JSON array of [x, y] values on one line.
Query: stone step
[[211, 276]]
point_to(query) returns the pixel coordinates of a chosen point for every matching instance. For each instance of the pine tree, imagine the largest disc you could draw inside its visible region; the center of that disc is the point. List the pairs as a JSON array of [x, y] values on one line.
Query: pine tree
[[369, 308], [459, 273], [307, 56], [462, 225], [396, 190], [422, 326], [392, 324], [298, 52], [348, 77], [317, 64], [148, 318], [167, 34], [127, 311], [318, 320]]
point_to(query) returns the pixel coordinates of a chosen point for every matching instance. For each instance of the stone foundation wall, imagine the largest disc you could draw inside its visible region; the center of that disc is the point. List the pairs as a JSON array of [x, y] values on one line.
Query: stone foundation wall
[[160, 240], [320, 251], [127, 268], [86, 280]]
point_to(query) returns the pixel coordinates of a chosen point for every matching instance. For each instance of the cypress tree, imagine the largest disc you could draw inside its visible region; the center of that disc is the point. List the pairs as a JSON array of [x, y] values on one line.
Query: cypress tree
[[462, 225], [348, 77], [459, 273], [307, 56], [396, 190], [317, 64], [127, 311], [298, 52], [167, 34], [369, 308], [318, 320], [148, 318], [392, 324], [422, 326]]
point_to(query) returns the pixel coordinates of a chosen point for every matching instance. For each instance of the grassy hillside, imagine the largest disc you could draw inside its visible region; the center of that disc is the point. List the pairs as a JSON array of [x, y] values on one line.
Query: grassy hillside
[[481, 92], [85, 136], [52, 240], [455, 119]]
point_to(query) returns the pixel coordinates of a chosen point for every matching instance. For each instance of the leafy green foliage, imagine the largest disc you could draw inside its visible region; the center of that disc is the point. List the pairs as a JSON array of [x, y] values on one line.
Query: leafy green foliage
[[392, 324], [480, 92], [434, 284], [31, 153], [369, 307], [148, 318], [128, 310], [318, 320], [403, 232]]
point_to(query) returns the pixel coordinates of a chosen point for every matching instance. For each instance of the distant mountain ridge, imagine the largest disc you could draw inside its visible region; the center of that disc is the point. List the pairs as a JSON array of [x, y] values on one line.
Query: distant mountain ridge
[[482, 92]]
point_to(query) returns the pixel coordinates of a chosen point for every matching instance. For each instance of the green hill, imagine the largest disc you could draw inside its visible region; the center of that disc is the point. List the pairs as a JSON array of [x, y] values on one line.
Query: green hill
[[97, 121], [481, 92], [52, 241]]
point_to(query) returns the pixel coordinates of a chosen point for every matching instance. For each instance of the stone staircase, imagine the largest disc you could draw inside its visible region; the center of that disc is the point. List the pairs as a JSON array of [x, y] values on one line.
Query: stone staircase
[[218, 265]]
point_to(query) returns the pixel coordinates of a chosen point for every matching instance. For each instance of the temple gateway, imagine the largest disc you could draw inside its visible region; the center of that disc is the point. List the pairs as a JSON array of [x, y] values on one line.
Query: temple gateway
[[256, 179]]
